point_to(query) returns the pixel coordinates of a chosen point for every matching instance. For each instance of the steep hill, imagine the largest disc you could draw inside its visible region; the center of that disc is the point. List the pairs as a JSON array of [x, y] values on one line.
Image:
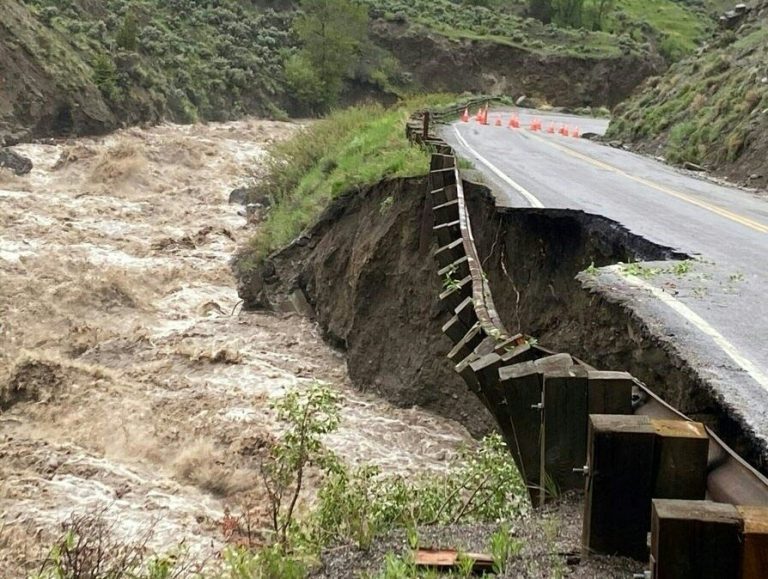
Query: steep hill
[[710, 109], [87, 66], [84, 66]]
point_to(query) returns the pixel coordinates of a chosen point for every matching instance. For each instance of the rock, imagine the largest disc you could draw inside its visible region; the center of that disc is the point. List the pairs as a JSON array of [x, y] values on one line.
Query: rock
[[239, 195], [521, 100], [591, 136], [15, 162], [692, 166]]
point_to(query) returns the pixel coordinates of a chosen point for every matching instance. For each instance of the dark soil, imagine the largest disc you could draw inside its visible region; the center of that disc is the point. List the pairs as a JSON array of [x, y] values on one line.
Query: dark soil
[[441, 64], [366, 271], [368, 276]]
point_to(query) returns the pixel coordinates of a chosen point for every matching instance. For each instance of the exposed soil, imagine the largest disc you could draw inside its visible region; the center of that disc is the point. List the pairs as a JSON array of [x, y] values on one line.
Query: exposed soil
[[386, 315], [131, 381], [442, 64]]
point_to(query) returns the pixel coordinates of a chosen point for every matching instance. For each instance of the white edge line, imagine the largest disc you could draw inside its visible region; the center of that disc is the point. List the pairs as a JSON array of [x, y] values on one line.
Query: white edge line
[[530, 197], [700, 323]]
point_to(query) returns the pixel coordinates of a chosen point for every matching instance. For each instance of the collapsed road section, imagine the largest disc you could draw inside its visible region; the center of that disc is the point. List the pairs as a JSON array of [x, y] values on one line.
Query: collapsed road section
[[647, 466]]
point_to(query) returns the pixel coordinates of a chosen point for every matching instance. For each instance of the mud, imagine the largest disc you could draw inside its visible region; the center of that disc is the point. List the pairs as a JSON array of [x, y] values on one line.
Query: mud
[[385, 314], [131, 379]]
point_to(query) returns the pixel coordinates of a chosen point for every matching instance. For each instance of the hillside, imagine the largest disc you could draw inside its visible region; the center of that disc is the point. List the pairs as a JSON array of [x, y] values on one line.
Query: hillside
[[710, 109], [87, 66]]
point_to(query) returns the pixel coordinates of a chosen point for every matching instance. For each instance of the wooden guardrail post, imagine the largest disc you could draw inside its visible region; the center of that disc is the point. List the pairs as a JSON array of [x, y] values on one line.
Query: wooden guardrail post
[[631, 460], [694, 540], [754, 543]]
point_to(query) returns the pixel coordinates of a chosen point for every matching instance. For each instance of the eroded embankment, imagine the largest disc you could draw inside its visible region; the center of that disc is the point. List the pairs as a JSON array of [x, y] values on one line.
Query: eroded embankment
[[532, 258], [366, 270]]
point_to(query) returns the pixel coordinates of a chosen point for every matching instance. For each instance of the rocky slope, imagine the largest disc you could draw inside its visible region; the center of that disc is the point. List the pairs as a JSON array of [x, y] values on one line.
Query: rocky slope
[[710, 109]]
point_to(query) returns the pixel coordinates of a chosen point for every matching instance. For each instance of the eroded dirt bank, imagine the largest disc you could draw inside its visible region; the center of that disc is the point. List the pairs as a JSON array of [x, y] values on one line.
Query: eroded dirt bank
[[131, 381], [367, 271], [387, 316]]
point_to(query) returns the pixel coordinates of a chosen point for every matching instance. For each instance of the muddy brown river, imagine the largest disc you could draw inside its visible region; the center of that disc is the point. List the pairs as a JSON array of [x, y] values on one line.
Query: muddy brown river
[[146, 388]]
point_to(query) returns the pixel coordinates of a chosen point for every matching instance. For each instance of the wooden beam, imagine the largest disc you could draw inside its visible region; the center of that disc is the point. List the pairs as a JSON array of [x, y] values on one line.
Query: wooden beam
[[632, 460], [695, 540], [754, 551]]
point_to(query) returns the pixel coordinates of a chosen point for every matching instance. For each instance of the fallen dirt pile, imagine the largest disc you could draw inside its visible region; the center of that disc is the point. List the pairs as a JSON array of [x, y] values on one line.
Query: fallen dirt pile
[[131, 383]]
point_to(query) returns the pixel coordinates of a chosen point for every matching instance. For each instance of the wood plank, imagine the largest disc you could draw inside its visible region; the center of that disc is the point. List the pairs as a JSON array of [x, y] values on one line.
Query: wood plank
[[564, 430], [449, 253], [448, 559], [446, 211], [447, 232], [455, 294], [458, 269], [455, 329], [521, 387], [680, 459], [694, 540], [465, 347], [754, 551], [617, 513], [610, 392]]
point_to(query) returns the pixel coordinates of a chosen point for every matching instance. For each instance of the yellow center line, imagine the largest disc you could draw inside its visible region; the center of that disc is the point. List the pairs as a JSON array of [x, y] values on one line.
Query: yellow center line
[[741, 219]]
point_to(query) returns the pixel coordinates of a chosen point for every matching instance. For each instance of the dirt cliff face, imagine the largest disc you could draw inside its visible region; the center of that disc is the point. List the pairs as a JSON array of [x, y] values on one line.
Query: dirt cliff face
[[441, 64], [42, 96], [366, 269]]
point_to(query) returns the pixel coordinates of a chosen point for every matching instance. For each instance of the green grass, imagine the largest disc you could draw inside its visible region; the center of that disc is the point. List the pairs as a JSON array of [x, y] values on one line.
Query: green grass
[[705, 110], [347, 150], [680, 29]]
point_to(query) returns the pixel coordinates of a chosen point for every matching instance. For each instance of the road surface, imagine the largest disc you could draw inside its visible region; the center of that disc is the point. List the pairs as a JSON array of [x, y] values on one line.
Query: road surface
[[716, 309]]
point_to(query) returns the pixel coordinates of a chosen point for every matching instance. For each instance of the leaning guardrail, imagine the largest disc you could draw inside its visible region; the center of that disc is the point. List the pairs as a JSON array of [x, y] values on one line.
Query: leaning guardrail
[[644, 466]]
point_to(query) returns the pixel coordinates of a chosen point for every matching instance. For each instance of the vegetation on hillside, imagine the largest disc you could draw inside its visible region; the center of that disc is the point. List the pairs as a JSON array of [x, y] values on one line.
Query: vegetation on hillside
[[586, 27], [179, 58], [348, 149], [185, 59], [710, 109]]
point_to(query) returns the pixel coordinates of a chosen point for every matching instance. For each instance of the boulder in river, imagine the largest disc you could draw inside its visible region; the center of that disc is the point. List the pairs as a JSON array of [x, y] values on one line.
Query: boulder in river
[[19, 164]]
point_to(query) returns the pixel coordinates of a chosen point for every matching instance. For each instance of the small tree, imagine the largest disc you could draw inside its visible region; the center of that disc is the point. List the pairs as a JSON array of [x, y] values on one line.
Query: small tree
[[127, 36], [105, 75], [331, 32], [309, 415]]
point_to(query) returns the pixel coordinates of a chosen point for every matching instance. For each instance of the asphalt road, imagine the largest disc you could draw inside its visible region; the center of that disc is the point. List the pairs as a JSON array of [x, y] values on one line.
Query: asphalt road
[[717, 311]]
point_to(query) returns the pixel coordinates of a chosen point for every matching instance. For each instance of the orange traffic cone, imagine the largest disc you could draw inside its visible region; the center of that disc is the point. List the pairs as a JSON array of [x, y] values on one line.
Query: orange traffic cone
[[465, 116], [576, 134], [479, 115], [484, 121], [551, 128], [498, 122]]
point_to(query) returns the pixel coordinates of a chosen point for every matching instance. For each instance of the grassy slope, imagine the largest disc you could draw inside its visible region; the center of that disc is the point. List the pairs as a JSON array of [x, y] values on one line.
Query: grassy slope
[[221, 58], [711, 109], [675, 25], [349, 149], [211, 60]]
